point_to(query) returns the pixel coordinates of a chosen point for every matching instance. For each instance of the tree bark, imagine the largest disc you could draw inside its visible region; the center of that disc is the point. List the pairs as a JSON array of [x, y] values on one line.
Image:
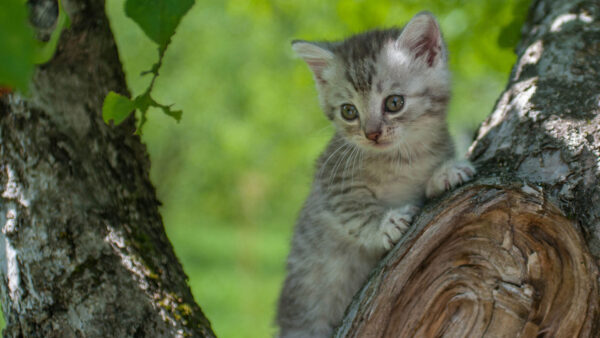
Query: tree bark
[[83, 250], [516, 252]]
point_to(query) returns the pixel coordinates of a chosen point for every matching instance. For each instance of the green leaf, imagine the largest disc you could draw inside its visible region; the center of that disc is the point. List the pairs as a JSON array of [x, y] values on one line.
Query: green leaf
[[116, 107], [17, 46], [158, 18], [176, 114]]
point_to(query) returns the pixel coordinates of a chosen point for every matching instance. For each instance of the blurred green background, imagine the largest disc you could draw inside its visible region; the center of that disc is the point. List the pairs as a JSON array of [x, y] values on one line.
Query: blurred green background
[[233, 174]]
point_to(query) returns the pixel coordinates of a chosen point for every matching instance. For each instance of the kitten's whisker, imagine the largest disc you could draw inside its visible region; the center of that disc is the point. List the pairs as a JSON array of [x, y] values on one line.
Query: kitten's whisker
[[358, 153], [324, 165], [344, 170], [318, 131], [362, 161], [351, 168], [430, 150], [410, 155], [339, 161], [346, 167], [403, 153]]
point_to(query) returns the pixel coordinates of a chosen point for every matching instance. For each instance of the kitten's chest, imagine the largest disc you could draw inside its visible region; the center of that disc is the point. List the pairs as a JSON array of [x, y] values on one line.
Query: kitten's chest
[[400, 191], [397, 186]]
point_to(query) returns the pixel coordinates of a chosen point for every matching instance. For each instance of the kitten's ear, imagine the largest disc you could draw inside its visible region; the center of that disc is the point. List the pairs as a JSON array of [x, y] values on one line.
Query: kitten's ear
[[316, 56], [423, 39]]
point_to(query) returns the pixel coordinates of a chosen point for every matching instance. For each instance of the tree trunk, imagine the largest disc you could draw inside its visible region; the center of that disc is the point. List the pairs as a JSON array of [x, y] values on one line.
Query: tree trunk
[[516, 252], [83, 250]]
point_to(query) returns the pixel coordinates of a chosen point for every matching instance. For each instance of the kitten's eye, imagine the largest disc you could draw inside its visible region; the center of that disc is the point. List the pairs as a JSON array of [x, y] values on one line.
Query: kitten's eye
[[394, 103], [349, 112]]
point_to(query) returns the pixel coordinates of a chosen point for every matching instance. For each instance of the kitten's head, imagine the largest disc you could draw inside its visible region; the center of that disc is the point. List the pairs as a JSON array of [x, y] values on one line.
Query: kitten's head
[[383, 89]]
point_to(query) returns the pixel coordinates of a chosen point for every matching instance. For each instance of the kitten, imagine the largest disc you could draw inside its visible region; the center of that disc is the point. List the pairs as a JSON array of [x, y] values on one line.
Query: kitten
[[386, 92]]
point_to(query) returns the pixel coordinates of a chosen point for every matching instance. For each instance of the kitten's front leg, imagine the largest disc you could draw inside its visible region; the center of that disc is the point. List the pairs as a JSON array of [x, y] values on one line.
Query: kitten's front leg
[[376, 227], [450, 174], [395, 223]]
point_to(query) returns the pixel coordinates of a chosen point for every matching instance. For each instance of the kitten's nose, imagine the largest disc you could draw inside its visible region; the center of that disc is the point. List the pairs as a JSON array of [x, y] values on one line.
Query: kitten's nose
[[373, 136]]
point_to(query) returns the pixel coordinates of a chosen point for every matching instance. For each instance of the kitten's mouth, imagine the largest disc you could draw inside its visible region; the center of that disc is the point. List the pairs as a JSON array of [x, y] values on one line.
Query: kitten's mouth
[[380, 145]]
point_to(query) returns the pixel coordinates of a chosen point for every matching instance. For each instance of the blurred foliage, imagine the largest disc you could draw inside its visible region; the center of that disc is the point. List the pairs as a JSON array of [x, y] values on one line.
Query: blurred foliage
[[233, 175], [21, 51], [511, 33]]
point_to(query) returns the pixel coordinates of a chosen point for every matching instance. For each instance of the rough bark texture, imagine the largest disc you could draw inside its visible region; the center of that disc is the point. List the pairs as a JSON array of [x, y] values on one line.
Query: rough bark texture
[[545, 128], [536, 206], [83, 250]]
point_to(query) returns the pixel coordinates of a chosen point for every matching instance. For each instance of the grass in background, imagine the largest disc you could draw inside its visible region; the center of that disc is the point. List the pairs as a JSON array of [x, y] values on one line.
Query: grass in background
[[234, 173]]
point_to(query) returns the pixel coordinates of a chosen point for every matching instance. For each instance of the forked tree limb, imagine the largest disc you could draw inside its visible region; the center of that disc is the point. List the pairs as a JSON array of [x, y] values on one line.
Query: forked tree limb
[[497, 258]]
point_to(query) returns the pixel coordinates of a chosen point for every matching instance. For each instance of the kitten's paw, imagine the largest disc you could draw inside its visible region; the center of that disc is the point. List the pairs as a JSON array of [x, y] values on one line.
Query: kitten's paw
[[395, 223], [448, 176]]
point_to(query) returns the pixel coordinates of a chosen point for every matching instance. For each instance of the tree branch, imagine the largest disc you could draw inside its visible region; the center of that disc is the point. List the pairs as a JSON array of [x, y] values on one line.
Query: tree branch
[[499, 258]]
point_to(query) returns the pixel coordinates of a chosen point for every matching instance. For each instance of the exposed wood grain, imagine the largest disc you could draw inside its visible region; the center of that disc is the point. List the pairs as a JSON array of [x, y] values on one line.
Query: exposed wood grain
[[494, 261]]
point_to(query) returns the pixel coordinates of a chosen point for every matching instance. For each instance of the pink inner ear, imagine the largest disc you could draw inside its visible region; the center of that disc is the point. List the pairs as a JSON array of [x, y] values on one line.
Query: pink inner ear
[[317, 66], [428, 45]]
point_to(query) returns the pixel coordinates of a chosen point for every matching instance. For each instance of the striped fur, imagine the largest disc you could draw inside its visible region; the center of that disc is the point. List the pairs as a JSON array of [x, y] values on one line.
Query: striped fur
[[365, 193]]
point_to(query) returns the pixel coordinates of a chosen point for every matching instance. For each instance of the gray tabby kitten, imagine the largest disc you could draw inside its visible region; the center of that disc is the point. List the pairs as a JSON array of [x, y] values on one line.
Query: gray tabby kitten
[[386, 92]]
